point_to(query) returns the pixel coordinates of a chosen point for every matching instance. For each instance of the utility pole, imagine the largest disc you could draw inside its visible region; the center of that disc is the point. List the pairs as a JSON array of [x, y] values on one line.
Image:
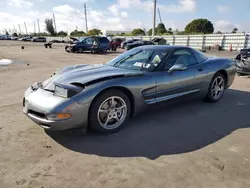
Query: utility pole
[[35, 28], [38, 25], [153, 30], [86, 19], [54, 22], [25, 28], [20, 31]]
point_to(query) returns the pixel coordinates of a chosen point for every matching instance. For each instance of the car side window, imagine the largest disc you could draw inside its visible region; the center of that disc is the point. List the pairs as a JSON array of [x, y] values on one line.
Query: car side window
[[89, 41], [181, 56]]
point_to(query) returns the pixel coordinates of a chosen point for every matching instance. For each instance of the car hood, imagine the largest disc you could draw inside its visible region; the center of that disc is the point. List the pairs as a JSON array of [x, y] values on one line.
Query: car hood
[[86, 74]]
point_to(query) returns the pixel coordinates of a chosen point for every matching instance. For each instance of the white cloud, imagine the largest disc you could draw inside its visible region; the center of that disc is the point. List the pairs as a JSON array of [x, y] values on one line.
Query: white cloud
[[223, 9], [124, 14], [225, 26], [114, 9], [20, 3]]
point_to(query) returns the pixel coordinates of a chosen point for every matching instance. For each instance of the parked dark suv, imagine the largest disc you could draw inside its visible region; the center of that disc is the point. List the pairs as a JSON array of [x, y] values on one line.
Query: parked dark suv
[[93, 44]]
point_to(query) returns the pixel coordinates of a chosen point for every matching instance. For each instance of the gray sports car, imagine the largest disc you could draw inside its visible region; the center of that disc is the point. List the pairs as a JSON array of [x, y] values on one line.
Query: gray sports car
[[105, 96]]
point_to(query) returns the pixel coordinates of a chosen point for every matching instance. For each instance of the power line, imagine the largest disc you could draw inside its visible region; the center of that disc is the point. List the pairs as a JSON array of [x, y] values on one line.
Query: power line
[[159, 15]]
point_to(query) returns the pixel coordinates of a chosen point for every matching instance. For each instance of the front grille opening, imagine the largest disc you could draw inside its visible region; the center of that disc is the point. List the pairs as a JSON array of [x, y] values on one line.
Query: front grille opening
[[37, 114]]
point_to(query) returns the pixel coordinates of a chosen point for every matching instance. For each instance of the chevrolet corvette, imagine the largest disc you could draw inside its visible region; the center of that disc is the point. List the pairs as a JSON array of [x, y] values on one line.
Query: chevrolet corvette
[[104, 96]]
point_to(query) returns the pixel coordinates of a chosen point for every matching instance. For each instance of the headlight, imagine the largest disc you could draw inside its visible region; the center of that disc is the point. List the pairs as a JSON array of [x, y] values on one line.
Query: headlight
[[61, 92], [67, 91]]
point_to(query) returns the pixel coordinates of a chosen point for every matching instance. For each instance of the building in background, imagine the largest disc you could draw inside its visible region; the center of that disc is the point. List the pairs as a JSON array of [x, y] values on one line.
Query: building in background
[[110, 32]]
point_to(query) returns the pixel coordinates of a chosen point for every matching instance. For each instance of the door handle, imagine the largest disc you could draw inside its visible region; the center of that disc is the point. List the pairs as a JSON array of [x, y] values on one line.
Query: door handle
[[200, 69]]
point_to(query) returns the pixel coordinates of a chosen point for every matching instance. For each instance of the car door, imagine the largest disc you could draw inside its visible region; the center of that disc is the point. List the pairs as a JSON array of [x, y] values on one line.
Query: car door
[[104, 43], [87, 43], [178, 83]]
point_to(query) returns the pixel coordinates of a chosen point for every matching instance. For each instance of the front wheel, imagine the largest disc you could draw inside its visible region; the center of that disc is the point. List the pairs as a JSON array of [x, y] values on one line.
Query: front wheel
[[216, 88], [110, 111], [79, 50]]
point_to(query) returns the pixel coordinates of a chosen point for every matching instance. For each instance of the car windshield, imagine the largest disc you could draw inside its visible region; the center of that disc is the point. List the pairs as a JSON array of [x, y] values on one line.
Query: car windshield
[[139, 59], [81, 39]]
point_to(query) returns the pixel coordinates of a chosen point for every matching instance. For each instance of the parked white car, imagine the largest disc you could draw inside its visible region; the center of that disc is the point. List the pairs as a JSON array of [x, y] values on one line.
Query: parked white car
[[5, 37]]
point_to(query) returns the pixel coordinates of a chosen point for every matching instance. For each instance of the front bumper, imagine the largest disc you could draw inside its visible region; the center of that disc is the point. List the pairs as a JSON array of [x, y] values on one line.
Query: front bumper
[[69, 48], [243, 69], [38, 104]]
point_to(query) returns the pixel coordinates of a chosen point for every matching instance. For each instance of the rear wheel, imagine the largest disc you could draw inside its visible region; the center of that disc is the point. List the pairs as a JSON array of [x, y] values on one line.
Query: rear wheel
[[216, 88], [110, 111]]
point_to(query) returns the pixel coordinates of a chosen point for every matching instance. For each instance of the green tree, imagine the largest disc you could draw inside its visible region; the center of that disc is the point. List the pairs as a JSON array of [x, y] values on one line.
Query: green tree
[[49, 26], [123, 34], [180, 32], [218, 32], [7, 33], [138, 31], [200, 26], [235, 30], [62, 33], [170, 31], [150, 31], [15, 35], [76, 33], [161, 29], [94, 32]]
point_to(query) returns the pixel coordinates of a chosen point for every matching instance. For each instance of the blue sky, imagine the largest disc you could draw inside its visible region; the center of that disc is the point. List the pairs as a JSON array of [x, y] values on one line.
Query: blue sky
[[124, 14]]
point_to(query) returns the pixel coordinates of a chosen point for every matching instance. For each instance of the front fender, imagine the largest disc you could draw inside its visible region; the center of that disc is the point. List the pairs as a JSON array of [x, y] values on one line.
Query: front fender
[[137, 86]]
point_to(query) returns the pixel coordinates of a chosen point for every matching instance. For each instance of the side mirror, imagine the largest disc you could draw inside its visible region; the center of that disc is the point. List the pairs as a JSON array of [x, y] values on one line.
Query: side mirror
[[177, 67]]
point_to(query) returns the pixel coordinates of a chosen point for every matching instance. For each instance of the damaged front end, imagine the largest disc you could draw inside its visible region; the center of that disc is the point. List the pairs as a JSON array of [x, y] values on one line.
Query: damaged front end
[[242, 61]]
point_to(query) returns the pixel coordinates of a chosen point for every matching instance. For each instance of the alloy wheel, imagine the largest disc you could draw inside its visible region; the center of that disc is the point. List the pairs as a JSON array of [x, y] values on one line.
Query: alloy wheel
[[218, 87], [112, 112]]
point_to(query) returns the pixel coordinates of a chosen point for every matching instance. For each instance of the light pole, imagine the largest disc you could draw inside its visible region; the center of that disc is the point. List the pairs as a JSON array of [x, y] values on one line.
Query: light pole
[[153, 30], [86, 18]]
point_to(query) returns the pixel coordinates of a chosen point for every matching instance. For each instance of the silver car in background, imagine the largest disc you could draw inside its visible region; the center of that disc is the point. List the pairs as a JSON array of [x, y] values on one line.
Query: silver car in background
[[105, 96]]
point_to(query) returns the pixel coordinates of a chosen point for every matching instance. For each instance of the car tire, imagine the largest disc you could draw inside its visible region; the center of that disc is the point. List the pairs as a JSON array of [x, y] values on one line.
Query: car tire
[[110, 111], [79, 50], [216, 88]]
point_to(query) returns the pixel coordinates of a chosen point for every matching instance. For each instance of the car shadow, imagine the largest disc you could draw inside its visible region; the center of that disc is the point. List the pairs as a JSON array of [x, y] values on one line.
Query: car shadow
[[167, 129]]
